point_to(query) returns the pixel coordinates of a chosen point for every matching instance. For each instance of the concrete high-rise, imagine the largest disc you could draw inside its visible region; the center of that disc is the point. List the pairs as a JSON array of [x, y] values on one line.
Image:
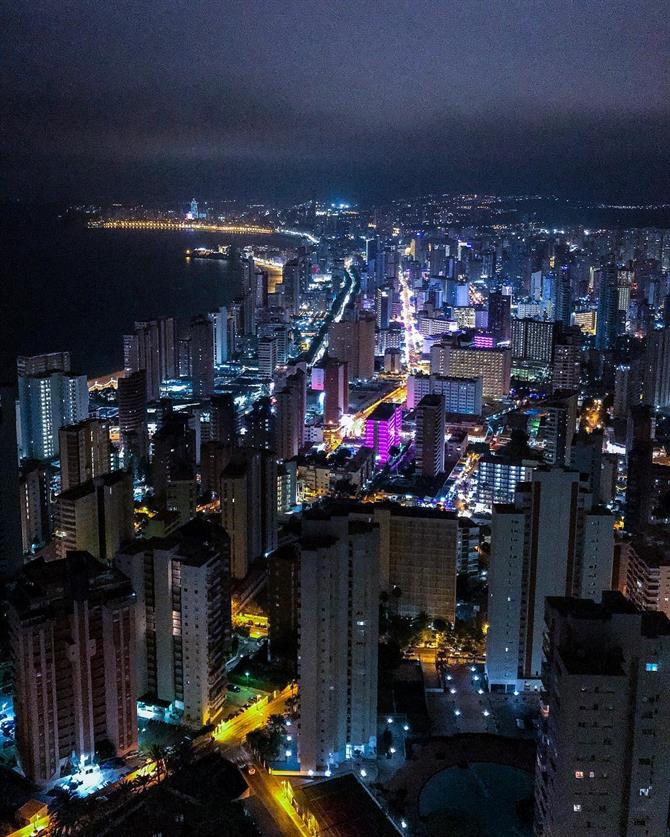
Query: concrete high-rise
[[639, 462], [352, 340], [48, 401], [72, 642], [607, 322], [223, 419], [492, 365], [552, 541], [35, 504], [648, 570], [500, 317], [430, 435], [656, 391], [603, 762], [183, 622], [10, 516], [202, 356], [336, 390], [132, 400], [249, 506], [337, 656], [84, 452], [152, 347], [290, 416], [95, 517]]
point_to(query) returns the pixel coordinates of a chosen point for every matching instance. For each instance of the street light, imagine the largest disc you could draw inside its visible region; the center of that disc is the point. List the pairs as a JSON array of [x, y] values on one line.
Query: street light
[[364, 772]]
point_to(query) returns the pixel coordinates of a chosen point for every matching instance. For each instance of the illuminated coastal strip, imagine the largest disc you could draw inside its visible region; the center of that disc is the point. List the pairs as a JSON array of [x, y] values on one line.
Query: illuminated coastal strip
[[176, 226]]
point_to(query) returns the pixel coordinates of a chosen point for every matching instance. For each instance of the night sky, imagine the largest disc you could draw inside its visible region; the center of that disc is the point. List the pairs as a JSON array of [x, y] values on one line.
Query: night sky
[[281, 100]]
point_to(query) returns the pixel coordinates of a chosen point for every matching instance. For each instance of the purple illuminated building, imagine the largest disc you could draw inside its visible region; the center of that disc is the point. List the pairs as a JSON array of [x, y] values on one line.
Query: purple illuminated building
[[382, 430]]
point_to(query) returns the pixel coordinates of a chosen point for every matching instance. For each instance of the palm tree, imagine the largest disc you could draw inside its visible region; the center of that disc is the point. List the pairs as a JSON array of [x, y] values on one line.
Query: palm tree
[[158, 754], [67, 814]]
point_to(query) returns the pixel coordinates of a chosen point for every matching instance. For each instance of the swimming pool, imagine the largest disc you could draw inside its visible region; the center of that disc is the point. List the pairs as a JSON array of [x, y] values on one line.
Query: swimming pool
[[483, 794]]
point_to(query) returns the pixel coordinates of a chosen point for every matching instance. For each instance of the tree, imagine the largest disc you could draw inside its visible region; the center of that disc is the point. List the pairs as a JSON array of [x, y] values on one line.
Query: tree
[[440, 625], [69, 814], [158, 754]]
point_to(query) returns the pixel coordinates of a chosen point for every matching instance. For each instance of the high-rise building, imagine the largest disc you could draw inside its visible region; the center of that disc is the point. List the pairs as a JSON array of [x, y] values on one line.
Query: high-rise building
[[566, 368], [223, 419], [559, 421], [336, 390], [95, 517], [35, 504], [132, 400], [260, 426], [352, 340], [174, 445], [283, 599], [492, 365], [28, 366], [73, 646], [202, 356], [430, 435], [224, 342], [639, 480], [267, 356], [383, 300], [551, 541], [500, 317], [607, 321], [84, 452], [337, 655], [183, 623], [214, 456], [461, 395], [648, 570], [47, 402], [152, 347], [586, 456], [10, 515], [292, 282], [603, 764], [249, 506], [533, 340], [290, 416], [656, 393], [382, 430]]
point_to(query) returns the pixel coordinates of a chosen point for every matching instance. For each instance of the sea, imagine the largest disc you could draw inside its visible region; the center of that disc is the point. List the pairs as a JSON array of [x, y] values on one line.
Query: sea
[[64, 286]]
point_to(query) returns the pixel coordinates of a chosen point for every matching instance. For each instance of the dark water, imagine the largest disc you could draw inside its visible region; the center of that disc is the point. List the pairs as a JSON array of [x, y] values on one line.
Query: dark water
[[69, 287]]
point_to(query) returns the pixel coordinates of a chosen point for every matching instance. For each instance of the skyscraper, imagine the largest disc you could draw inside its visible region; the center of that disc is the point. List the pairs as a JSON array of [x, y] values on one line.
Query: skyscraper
[[336, 390], [35, 503], [202, 356], [430, 435], [132, 400], [249, 506], [152, 347], [47, 402], [84, 452], [10, 518], [551, 541], [339, 592], [603, 763], [607, 322], [656, 392], [500, 317], [382, 430], [73, 647], [95, 516], [183, 622], [290, 418], [223, 419], [639, 471], [353, 340]]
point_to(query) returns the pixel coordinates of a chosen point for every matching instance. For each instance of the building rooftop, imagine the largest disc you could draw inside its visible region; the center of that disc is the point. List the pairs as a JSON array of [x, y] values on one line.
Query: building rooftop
[[342, 807], [384, 412]]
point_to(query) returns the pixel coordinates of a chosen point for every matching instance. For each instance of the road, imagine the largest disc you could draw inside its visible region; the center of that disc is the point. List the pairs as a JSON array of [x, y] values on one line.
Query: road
[[270, 793], [231, 734]]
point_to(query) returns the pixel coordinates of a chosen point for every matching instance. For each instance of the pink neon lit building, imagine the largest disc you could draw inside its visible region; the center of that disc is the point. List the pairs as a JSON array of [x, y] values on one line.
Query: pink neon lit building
[[382, 430]]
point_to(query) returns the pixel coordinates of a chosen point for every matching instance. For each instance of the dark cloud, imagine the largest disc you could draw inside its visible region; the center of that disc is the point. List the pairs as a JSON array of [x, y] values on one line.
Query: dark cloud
[[273, 99]]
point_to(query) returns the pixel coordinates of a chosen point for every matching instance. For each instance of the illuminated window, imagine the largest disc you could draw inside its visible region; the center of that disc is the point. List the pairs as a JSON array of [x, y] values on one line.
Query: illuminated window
[[579, 774], [651, 667]]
